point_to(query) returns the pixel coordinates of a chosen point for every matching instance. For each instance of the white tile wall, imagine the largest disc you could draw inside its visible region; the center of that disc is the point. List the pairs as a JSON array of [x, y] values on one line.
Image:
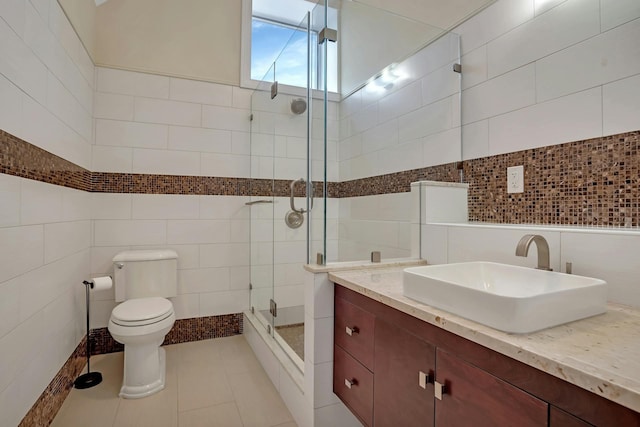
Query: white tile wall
[[113, 106], [127, 83], [45, 250], [9, 201], [131, 134], [620, 106], [605, 58], [508, 92], [200, 92], [197, 139], [167, 112], [570, 118], [616, 12], [567, 24], [112, 159], [166, 162], [611, 257]]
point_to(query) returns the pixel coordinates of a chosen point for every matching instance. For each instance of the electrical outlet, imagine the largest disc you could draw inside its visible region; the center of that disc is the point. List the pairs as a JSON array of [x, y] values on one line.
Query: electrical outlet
[[515, 179]]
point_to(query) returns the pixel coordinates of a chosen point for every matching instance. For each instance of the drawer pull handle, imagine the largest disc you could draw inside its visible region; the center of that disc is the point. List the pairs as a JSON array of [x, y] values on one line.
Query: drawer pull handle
[[351, 331], [424, 379], [439, 389], [350, 383]]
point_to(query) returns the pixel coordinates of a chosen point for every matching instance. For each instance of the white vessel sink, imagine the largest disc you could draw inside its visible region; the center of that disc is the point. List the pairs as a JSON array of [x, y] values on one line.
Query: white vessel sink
[[506, 297]]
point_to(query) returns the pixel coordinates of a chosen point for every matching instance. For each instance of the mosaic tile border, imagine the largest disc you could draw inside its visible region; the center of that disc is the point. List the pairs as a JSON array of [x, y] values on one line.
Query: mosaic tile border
[[593, 182], [50, 401], [399, 182], [184, 330], [108, 182], [19, 158]]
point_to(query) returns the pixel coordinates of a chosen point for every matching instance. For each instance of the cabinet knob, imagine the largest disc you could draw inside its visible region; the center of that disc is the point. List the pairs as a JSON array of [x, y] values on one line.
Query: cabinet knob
[[439, 389], [424, 379], [350, 383], [351, 331]]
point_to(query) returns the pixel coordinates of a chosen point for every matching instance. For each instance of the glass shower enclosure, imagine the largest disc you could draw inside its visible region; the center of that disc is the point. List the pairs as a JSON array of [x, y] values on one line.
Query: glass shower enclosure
[[306, 140]]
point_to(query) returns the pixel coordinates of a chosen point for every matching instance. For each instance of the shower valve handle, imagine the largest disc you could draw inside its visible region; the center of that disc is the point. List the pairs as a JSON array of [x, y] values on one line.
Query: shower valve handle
[[291, 199]]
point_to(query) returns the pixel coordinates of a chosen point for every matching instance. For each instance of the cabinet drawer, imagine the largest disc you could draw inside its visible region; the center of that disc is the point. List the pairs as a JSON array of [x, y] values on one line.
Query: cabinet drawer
[[353, 384], [353, 331]]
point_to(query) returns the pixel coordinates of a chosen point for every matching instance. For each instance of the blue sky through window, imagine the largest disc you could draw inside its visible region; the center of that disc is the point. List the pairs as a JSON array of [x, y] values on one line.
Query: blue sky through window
[[267, 42]]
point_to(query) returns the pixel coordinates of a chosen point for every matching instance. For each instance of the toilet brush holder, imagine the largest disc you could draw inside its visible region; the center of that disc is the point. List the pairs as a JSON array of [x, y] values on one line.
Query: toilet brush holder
[[89, 379]]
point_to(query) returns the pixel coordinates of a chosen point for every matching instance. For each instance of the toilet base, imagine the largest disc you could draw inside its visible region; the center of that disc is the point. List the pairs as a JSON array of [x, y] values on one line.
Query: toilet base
[[138, 383]]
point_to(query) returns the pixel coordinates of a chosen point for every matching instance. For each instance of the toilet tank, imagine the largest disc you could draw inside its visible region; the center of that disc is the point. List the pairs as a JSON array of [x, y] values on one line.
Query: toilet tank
[[145, 273]]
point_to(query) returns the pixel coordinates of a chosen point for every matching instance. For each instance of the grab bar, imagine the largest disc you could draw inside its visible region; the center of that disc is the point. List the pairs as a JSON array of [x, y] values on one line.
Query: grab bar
[[258, 202], [291, 200]]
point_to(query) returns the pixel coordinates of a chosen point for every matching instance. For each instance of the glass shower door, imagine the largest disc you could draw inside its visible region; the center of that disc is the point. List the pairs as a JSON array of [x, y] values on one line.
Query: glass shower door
[[279, 182], [261, 190]]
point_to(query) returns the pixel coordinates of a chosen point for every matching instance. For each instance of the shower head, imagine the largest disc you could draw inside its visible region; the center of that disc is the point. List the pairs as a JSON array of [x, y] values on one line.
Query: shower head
[[298, 105]]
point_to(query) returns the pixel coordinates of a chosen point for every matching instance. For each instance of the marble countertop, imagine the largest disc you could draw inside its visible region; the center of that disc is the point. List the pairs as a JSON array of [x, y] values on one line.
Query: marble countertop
[[600, 354]]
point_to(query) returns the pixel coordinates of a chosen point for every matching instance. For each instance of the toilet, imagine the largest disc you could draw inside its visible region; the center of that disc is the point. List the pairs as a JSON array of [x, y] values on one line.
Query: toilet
[[143, 280]]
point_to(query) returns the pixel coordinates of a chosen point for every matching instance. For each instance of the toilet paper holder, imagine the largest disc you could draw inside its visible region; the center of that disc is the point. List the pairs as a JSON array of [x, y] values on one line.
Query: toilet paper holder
[[90, 379]]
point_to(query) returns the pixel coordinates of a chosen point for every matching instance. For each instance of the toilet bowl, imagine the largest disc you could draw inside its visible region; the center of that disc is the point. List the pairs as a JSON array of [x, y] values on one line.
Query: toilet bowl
[[143, 280], [141, 325]]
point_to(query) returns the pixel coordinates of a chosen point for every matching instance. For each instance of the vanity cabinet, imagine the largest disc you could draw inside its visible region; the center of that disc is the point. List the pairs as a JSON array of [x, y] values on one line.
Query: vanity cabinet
[[417, 374]]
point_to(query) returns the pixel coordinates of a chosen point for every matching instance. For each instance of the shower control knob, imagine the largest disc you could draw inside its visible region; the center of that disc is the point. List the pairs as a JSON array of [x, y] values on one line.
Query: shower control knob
[[119, 265]]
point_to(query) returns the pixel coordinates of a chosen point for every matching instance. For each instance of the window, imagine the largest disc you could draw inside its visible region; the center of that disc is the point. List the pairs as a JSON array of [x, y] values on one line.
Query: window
[[274, 41], [277, 33]]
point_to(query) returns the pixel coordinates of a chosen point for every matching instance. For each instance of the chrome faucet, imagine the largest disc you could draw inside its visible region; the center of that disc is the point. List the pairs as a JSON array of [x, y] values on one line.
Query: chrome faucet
[[543, 249]]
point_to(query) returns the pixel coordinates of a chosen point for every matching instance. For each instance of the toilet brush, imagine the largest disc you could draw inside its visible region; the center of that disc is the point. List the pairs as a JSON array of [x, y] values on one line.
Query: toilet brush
[[89, 379]]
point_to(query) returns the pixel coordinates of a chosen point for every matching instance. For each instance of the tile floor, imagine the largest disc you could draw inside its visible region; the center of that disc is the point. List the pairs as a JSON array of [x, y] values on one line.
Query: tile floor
[[216, 382]]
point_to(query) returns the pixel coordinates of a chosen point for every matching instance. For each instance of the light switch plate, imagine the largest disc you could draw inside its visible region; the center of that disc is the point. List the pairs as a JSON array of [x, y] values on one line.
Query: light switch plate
[[515, 179]]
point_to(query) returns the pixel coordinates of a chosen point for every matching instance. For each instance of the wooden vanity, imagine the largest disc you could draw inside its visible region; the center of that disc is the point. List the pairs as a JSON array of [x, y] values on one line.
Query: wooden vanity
[[392, 368]]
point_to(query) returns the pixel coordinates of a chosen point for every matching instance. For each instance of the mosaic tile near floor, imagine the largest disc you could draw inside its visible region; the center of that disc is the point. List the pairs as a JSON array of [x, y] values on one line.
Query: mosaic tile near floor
[[294, 336], [45, 408], [184, 330]]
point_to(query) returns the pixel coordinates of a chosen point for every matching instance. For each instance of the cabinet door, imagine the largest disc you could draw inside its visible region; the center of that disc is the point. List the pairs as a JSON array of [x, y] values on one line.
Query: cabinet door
[[473, 397], [560, 418], [401, 396]]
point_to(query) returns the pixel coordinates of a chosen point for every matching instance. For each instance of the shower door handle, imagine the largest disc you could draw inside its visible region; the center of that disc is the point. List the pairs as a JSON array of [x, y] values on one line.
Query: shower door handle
[[291, 199]]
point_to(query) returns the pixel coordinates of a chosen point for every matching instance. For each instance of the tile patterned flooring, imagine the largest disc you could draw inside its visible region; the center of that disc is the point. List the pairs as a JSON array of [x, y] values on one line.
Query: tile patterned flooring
[[217, 382]]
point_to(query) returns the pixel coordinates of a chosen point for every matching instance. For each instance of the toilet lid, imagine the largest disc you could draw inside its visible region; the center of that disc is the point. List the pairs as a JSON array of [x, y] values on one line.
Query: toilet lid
[[142, 310]]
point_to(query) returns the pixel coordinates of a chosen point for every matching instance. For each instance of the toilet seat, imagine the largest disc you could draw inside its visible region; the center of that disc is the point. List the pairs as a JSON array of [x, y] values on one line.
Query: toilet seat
[[142, 311]]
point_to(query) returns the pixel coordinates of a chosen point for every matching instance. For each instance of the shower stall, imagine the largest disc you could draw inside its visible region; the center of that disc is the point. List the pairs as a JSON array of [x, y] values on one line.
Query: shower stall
[[288, 140], [309, 136]]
